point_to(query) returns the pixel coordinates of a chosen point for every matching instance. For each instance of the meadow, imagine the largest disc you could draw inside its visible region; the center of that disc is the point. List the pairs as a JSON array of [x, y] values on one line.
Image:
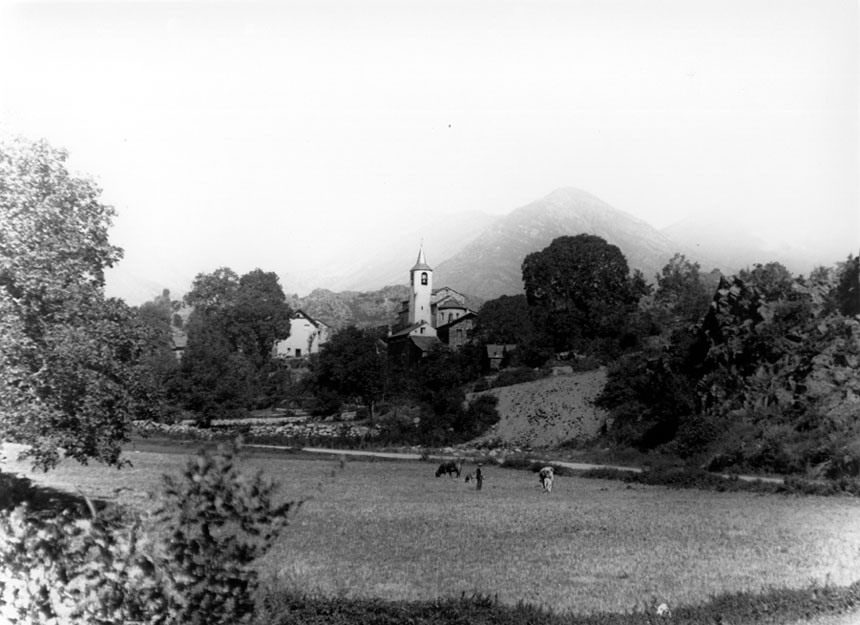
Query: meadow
[[392, 530]]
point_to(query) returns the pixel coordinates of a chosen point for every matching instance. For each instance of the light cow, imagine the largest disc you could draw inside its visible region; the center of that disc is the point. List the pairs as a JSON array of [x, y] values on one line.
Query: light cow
[[545, 476]]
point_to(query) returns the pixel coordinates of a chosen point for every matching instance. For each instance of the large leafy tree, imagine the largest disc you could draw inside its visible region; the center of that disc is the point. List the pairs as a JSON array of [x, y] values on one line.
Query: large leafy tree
[[70, 373], [580, 290], [227, 367], [353, 365]]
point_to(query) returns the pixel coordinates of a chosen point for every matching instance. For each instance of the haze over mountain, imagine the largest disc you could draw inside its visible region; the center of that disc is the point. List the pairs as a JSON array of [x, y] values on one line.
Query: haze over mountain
[[390, 264], [737, 245], [481, 255], [491, 265]]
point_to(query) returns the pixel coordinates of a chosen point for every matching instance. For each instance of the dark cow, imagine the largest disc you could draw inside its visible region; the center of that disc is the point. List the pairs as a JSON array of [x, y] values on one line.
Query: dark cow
[[449, 468]]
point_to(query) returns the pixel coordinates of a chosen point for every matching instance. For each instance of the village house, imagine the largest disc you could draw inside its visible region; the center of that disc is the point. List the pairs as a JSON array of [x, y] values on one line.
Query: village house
[[306, 336]]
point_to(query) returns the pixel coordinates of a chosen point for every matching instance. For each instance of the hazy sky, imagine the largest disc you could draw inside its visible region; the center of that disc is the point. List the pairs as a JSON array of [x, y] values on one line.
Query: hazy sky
[[283, 135]]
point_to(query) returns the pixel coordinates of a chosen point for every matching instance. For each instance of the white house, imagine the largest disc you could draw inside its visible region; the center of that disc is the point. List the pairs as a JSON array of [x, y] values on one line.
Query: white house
[[306, 336]]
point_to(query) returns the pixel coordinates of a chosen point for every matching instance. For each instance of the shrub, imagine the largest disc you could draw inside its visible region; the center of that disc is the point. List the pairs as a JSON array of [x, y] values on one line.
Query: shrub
[[481, 385], [694, 436], [518, 375], [188, 562]]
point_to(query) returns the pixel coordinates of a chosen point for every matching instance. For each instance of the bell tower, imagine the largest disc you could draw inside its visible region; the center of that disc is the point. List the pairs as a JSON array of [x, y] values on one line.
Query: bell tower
[[421, 288]]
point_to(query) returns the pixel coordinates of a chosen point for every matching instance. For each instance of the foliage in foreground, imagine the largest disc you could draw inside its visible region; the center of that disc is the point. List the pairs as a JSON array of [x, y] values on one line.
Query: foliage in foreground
[[186, 562], [775, 606]]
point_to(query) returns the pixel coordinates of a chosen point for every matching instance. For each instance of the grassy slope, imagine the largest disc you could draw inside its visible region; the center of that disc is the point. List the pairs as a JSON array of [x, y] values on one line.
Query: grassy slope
[[549, 411], [393, 531]]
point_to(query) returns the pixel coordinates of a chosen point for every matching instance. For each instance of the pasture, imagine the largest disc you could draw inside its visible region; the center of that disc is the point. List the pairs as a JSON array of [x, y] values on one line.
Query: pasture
[[392, 530]]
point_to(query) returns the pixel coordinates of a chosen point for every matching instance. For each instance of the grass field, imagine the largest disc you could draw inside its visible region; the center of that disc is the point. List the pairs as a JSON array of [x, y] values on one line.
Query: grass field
[[392, 530]]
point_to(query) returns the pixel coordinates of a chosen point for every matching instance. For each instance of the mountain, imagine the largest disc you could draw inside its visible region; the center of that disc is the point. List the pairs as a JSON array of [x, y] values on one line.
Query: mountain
[[490, 266], [363, 309], [389, 264], [477, 254]]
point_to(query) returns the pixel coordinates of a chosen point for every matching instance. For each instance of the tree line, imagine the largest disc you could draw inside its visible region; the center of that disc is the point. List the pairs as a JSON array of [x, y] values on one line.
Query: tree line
[[757, 365]]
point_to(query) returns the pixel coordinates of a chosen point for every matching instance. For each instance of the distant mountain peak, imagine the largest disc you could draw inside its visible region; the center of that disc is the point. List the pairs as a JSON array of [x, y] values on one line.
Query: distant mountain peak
[[491, 265]]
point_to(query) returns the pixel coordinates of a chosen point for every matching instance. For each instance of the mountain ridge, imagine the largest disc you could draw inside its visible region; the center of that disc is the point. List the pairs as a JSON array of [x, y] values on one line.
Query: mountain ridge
[[530, 228]]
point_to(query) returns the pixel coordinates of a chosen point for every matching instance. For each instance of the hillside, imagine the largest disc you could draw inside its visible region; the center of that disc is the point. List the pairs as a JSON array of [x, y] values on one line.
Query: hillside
[[369, 310], [549, 411], [490, 266]]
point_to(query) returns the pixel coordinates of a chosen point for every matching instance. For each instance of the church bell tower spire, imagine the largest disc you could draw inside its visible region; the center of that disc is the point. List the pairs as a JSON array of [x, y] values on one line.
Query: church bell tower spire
[[421, 289]]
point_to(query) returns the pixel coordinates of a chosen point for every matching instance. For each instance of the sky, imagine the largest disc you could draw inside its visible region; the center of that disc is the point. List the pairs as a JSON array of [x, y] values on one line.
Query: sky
[[300, 136]]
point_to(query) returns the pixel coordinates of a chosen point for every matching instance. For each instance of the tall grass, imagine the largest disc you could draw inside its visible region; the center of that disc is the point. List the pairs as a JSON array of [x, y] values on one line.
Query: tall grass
[[393, 532]]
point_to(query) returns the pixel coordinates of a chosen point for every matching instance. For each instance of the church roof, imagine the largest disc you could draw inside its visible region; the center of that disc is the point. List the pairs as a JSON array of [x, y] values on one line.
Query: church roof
[[421, 263], [450, 302]]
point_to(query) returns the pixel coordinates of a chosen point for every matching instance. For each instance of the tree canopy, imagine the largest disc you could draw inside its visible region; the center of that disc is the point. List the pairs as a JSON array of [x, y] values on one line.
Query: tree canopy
[[580, 290], [228, 364], [353, 365], [70, 373]]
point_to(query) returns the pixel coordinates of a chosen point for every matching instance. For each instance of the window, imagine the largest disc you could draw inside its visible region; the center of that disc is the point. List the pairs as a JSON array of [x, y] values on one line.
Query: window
[[298, 352], [424, 278]]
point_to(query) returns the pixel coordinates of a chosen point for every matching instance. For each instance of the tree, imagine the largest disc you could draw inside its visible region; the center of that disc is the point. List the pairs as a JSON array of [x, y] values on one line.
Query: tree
[[772, 280], [216, 381], [353, 364], [156, 315], [506, 320], [228, 363], [579, 290], [216, 290], [259, 316], [681, 291], [848, 289], [69, 358]]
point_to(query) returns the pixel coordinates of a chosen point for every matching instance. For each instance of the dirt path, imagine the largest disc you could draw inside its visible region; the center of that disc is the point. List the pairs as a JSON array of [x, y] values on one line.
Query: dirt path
[[394, 455]]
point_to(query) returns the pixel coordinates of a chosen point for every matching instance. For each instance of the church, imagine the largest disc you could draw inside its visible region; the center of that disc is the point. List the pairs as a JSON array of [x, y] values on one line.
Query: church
[[430, 316]]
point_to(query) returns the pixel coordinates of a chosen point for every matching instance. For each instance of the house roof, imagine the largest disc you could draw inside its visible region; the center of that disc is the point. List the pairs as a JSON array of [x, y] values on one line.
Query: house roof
[[407, 330], [421, 263], [424, 343], [300, 313]]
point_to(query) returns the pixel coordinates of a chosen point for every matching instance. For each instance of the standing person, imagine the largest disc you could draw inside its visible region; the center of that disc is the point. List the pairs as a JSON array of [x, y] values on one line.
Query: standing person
[[479, 477]]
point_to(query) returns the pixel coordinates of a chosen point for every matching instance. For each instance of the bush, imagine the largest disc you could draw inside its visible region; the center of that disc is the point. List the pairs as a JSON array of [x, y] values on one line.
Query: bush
[[188, 562], [518, 375], [482, 385], [694, 436]]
